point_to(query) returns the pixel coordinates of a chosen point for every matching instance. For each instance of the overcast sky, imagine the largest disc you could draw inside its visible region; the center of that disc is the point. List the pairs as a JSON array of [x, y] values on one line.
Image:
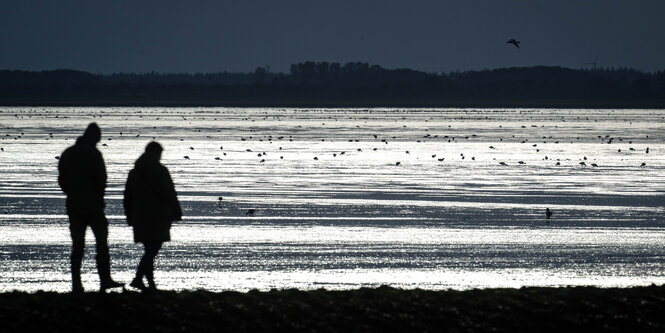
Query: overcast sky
[[433, 36]]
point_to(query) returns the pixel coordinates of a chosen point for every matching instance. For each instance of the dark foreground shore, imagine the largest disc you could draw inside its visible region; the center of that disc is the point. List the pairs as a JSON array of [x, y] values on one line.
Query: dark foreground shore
[[383, 309]]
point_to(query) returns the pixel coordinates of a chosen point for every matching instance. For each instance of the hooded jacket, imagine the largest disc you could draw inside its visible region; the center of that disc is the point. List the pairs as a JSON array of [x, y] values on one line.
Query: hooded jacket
[[150, 200], [82, 176]]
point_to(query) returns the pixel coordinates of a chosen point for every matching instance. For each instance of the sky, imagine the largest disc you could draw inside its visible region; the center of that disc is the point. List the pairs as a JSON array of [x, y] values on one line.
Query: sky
[[178, 36]]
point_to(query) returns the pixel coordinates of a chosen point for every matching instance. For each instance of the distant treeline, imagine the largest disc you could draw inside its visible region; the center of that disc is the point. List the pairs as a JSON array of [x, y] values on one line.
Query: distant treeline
[[335, 84]]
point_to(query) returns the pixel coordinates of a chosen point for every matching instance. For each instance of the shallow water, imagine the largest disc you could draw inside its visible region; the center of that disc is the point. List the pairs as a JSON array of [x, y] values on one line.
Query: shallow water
[[355, 219]]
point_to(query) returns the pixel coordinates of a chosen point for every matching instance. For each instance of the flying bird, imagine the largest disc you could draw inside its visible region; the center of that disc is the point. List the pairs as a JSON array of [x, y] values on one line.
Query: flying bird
[[514, 42]]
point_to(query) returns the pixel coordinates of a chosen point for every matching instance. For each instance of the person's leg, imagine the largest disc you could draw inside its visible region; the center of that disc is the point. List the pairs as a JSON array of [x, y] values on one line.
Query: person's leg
[[140, 272], [151, 250], [77, 226], [99, 225]]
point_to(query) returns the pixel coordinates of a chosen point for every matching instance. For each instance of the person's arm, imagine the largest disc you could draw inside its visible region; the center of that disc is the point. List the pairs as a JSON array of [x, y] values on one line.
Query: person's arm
[[62, 181], [100, 174], [172, 196], [128, 197]]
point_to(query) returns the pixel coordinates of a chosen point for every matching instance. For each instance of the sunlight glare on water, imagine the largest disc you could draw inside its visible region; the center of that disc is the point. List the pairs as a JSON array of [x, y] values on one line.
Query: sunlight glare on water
[[344, 198]]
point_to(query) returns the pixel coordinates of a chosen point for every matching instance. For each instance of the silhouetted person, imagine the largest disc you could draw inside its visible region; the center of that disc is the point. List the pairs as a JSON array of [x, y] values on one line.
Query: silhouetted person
[[82, 176], [151, 205]]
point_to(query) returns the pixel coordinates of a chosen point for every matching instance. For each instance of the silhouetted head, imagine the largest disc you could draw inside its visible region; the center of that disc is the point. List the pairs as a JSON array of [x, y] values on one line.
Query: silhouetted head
[[154, 149], [93, 133]]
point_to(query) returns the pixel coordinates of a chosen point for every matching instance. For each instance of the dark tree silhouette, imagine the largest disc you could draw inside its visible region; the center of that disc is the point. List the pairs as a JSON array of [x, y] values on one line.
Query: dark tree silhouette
[[349, 84]]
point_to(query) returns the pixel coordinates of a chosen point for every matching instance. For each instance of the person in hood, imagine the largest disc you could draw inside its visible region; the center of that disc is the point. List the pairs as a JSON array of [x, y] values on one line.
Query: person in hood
[[151, 205], [82, 176]]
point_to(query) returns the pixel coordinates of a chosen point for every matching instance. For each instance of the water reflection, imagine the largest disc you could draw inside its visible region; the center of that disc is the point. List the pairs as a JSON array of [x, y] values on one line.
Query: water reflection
[[355, 219], [222, 257]]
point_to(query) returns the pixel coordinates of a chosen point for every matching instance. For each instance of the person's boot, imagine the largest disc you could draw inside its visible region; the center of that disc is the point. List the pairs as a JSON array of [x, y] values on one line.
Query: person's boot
[[77, 286], [109, 284], [151, 280], [104, 271], [138, 284]]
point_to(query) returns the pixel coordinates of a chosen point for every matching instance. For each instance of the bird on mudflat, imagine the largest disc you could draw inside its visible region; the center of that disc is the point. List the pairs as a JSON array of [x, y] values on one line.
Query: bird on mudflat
[[514, 42], [548, 213], [249, 212]]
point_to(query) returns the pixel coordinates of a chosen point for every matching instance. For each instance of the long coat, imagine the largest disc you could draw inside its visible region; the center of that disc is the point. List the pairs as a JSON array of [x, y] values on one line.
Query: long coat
[[150, 200], [82, 176]]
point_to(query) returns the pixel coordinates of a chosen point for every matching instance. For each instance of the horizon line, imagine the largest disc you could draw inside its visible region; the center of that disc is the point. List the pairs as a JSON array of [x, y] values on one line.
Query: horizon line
[[152, 72]]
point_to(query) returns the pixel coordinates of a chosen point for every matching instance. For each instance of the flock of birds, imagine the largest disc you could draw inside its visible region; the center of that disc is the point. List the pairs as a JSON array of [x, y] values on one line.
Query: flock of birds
[[607, 139], [462, 156], [376, 143]]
